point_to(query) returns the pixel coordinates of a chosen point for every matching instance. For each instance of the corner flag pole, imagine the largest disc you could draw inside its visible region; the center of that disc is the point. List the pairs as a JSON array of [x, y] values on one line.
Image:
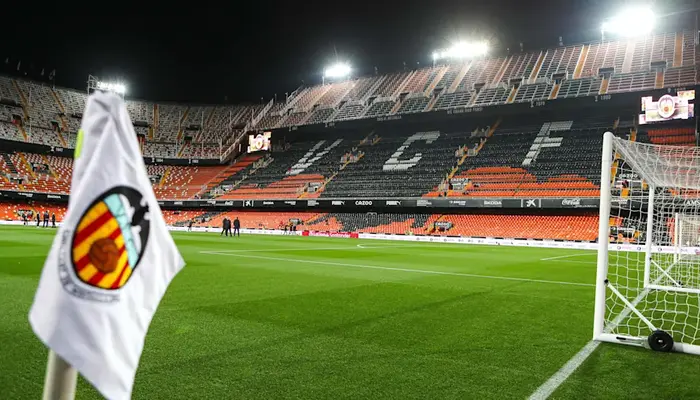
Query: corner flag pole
[[60, 380]]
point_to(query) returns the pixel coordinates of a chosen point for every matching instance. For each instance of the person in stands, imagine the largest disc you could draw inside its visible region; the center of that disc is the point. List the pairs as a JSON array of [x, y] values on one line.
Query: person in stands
[[236, 227]]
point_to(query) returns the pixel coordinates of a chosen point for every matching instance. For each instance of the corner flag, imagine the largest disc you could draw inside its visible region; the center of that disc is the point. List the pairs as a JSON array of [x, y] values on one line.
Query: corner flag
[[111, 260]]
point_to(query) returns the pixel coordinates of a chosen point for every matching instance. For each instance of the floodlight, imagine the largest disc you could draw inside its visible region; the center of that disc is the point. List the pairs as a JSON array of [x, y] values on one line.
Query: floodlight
[[634, 21], [339, 70], [461, 50], [118, 88]]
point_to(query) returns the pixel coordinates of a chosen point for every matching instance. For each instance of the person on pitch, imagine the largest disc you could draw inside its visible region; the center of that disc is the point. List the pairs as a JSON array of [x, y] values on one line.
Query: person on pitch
[[53, 220], [236, 227], [189, 227], [38, 220], [226, 225]]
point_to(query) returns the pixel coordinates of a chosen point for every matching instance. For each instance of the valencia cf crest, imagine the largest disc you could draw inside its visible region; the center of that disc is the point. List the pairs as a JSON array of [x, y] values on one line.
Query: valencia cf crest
[[106, 245]]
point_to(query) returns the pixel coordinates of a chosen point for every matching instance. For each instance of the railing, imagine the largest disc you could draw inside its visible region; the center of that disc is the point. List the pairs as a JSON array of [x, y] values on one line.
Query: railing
[[262, 113], [230, 149]]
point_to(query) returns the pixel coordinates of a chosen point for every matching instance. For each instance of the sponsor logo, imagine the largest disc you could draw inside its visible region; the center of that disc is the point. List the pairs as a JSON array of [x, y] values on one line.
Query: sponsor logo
[[571, 202], [694, 203], [269, 203], [158, 160], [312, 203], [177, 203], [363, 203], [333, 234], [461, 203], [393, 203], [291, 203], [195, 161], [493, 203], [228, 203], [211, 201], [424, 203], [531, 203], [53, 196], [26, 194], [248, 203], [102, 253], [338, 203], [161, 203]]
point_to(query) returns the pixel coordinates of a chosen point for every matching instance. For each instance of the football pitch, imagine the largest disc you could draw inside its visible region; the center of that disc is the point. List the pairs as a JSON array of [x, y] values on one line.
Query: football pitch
[[263, 317]]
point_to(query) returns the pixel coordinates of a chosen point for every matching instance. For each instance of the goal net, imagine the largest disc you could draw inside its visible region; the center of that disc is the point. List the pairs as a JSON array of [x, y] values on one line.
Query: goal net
[[648, 279]]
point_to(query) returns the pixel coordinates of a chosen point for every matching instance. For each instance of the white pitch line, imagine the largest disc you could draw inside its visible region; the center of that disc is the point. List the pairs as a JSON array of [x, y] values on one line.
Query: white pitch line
[[577, 262], [364, 246], [567, 256], [553, 383], [417, 271], [283, 249], [359, 246]]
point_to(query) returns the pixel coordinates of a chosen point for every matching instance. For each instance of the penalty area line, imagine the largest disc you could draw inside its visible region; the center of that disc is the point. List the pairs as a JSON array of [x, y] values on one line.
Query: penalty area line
[[416, 271], [559, 377]]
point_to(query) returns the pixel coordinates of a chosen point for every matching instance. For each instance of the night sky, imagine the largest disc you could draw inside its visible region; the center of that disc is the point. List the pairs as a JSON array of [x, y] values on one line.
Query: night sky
[[243, 51]]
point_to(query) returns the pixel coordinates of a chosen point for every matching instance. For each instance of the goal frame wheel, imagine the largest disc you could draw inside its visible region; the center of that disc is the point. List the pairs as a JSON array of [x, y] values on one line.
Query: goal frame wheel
[[660, 341]]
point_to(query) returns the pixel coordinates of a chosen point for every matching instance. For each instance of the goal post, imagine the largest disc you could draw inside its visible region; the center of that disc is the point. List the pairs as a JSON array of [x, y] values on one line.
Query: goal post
[[648, 272]]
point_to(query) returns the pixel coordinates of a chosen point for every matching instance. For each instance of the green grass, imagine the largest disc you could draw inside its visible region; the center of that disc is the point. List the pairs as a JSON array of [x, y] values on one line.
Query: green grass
[[293, 317]]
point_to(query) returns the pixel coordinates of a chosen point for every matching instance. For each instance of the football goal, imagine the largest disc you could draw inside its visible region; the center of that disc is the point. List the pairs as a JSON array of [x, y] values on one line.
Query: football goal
[[648, 276]]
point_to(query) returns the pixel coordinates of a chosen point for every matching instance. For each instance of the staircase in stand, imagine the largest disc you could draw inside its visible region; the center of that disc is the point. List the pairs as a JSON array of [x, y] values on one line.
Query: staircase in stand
[[62, 117], [578, 71], [164, 178], [659, 80], [51, 171], [555, 91], [604, 85], [27, 165], [9, 164], [23, 98]]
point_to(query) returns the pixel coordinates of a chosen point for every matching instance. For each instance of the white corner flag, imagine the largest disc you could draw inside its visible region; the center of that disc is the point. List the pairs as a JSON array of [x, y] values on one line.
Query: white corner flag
[[111, 260]]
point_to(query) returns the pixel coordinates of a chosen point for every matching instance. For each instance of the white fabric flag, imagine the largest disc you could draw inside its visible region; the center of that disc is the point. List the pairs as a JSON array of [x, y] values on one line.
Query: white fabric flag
[[112, 258]]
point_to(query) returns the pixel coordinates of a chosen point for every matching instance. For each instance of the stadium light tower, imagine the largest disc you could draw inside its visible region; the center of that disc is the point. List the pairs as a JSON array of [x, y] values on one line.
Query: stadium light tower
[[633, 21], [462, 50], [96, 84], [337, 71]]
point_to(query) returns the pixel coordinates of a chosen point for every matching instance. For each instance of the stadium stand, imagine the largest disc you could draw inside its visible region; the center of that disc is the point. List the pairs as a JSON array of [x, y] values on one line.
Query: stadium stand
[[51, 116], [581, 226], [290, 173], [372, 223], [529, 155], [260, 219], [177, 182], [534, 158], [13, 210], [398, 165], [558, 227], [674, 136]]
